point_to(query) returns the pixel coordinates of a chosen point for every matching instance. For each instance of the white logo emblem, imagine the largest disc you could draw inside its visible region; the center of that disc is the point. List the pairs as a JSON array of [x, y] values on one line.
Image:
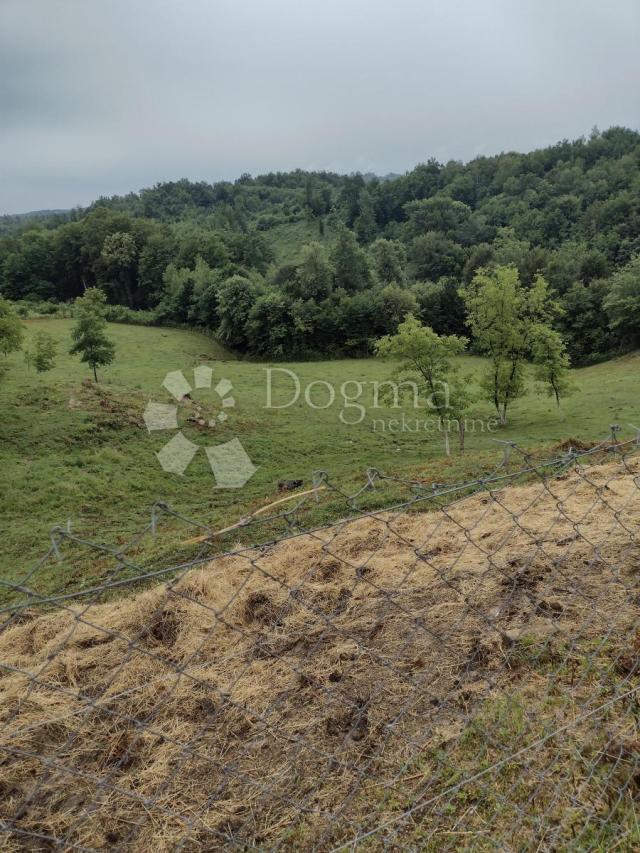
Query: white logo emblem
[[229, 462]]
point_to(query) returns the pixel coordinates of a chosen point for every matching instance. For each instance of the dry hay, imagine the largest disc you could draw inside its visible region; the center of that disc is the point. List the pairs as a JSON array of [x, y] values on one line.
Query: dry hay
[[300, 694]]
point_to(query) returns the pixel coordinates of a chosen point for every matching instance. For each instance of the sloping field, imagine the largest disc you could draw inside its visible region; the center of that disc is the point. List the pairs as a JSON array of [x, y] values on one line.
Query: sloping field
[[459, 679], [74, 450]]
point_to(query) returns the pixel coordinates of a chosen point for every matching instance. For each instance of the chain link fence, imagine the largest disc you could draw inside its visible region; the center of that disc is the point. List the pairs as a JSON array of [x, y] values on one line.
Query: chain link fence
[[450, 666]]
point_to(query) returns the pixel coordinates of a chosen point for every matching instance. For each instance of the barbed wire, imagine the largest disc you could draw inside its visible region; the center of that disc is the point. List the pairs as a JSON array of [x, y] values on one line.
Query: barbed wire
[[447, 666]]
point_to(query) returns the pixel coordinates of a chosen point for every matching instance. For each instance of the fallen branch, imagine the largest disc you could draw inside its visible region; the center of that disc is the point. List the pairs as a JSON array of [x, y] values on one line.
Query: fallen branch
[[247, 519]]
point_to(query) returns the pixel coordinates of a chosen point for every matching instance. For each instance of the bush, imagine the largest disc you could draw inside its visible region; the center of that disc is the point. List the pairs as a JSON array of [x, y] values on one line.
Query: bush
[[45, 308], [269, 220], [122, 314]]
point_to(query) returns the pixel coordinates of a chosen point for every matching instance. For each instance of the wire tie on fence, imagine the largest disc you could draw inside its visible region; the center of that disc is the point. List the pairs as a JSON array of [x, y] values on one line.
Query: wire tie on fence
[[155, 514], [53, 535], [318, 479], [372, 475], [615, 429], [507, 447]]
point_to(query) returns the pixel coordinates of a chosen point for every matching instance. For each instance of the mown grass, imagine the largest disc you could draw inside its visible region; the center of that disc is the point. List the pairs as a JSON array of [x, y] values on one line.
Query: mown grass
[[71, 450]]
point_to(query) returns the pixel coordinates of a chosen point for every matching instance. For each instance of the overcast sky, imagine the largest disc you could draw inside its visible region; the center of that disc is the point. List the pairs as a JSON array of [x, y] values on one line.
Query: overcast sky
[[106, 96]]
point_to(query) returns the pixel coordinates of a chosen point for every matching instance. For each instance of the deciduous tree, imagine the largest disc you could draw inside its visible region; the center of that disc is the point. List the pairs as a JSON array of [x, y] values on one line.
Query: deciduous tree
[[623, 302], [236, 297], [42, 354], [389, 260], [11, 330], [505, 319], [314, 274], [350, 263], [88, 334], [551, 362], [427, 361]]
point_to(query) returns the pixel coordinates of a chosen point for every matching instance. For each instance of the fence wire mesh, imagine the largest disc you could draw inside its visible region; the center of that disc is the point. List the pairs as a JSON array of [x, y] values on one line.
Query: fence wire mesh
[[455, 670]]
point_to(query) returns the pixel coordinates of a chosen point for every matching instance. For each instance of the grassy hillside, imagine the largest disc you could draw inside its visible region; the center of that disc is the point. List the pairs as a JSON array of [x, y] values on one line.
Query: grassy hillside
[[71, 450], [287, 239]]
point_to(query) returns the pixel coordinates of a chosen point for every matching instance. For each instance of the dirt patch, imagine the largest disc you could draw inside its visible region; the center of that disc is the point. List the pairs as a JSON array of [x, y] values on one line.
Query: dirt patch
[[258, 607], [574, 444], [110, 411]]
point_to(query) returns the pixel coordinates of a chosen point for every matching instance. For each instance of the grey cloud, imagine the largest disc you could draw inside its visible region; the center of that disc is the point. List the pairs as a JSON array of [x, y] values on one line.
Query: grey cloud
[[101, 98]]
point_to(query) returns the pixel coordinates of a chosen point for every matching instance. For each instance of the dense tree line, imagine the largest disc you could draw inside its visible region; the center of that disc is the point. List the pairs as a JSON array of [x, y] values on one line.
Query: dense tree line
[[205, 254]]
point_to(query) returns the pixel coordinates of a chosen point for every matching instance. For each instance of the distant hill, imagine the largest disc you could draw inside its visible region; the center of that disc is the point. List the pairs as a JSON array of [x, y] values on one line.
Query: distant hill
[[35, 214], [17, 221], [324, 263]]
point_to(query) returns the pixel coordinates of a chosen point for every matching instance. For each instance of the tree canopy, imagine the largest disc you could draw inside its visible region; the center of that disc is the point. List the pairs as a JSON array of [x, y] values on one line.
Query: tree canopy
[[325, 247], [428, 369], [511, 326]]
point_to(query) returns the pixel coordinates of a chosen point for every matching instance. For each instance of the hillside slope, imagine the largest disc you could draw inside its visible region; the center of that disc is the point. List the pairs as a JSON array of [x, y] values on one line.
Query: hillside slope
[[308, 264], [73, 450], [464, 674]]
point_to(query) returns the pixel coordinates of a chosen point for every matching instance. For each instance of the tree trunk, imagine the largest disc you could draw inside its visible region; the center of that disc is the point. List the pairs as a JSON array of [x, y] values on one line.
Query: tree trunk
[[95, 375], [503, 415], [447, 448], [461, 435]]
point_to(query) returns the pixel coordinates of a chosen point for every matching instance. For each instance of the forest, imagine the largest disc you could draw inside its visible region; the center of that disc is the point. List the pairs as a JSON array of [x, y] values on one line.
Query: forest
[[361, 252]]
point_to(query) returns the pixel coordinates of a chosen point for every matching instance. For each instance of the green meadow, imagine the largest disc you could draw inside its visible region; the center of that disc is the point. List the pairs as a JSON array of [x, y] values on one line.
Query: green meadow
[[74, 451]]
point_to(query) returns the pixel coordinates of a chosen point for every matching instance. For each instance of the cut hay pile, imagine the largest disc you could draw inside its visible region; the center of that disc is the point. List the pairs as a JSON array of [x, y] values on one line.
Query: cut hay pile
[[460, 678]]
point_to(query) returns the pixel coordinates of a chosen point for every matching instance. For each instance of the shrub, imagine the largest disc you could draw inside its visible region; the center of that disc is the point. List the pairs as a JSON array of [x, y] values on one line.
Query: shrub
[[122, 314]]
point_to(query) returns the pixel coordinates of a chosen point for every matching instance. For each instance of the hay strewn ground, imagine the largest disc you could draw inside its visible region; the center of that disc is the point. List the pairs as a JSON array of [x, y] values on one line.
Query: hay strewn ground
[[302, 695]]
